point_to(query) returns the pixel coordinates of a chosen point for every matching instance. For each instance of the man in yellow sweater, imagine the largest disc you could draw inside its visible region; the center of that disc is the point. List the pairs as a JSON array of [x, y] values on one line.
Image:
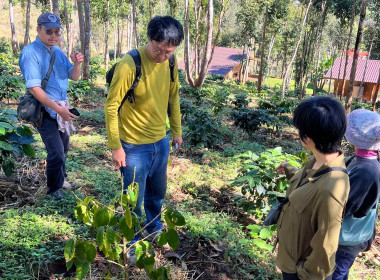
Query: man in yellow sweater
[[137, 134]]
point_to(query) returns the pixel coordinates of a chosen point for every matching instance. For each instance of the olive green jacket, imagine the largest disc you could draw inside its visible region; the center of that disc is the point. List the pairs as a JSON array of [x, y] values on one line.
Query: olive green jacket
[[309, 224]]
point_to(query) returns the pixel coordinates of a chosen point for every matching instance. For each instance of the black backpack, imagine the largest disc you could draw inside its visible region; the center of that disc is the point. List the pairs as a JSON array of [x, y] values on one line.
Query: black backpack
[[130, 95]]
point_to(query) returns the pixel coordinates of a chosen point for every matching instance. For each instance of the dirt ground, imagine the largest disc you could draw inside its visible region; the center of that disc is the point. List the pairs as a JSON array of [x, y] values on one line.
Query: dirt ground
[[193, 259]]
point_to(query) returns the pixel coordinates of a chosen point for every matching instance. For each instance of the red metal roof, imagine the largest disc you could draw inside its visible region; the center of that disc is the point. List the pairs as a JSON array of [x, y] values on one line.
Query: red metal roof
[[223, 60], [371, 76]]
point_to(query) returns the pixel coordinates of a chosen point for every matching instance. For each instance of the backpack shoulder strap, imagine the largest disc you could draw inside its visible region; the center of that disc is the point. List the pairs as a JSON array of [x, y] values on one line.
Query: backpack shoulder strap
[[130, 95], [171, 66], [324, 171]]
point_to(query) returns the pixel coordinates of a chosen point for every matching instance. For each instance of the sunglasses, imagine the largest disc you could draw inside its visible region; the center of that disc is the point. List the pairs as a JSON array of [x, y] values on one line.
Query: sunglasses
[[56, 32]]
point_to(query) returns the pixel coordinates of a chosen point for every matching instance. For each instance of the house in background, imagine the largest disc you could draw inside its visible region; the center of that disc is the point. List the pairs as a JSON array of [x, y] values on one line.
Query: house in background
[[367, 91], [225, 62]]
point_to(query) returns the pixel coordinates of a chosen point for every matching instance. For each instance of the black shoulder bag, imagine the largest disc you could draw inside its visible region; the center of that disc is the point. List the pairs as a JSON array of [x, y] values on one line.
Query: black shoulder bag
[[275, 212], [29, 108]]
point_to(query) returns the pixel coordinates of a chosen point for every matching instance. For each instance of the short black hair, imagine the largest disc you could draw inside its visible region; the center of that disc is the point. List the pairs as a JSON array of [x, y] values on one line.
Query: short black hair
[[322, 119], [165, 29]]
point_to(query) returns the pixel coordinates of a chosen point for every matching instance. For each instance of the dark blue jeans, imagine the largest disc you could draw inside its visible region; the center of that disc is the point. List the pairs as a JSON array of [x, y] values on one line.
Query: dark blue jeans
[[150, 162], [289, 276], [57, 146], [343, 263]]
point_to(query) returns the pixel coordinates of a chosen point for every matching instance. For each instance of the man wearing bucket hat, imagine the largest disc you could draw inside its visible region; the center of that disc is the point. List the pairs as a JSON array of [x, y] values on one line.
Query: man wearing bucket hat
[[56, 125], [363, 132]]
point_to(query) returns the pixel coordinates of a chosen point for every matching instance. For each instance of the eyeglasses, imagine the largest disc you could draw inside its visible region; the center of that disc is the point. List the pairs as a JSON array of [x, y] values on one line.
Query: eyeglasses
[[159, 52], [56, 32]]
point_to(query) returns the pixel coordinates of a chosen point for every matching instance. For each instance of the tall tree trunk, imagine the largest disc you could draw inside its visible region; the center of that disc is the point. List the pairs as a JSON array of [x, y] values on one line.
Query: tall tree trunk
[[87, 40], [262, 50], [221, 15], [271, 44], [207, 50], [356, 55], [81, 25], [247, 61], [106, 53], [68, 29], [296, 49], [134, 20], [321, 24], [348, 47], [188, 75], [374, 98], [150, 9], [27, 23], [302, 65], [13, 28], [61, 41], [316, 73], [333, 55], [366, 61]]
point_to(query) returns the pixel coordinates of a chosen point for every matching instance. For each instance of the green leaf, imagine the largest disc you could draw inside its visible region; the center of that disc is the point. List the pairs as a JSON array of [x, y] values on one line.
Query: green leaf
[[100, 236], [266, 233], [5, 146], [113, 221], [254, 228], [69, 251], [128, 232], [5, 127], [144, 250], [262, 244], [162, 239], [85, 251], [173, 238], [82, 269], [128, 217], [161, 273], [28, 150], [101, 217], [69, 265], [88, 199], [8, 167], [174, 218], [22, 140], [90, 251]]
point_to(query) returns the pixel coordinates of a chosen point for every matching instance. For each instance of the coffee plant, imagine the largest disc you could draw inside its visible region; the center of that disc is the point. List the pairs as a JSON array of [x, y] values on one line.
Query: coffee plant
[[11, 83], [114, 227], [259, 180], [202, 128], [14, 139]]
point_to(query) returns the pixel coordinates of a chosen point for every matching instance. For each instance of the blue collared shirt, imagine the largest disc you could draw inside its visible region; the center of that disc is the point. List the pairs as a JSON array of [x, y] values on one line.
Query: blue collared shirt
[[34, 63]]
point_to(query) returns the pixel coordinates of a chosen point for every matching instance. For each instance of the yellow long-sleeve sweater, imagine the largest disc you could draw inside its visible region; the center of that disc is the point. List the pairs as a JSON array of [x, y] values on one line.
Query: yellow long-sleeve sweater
[[144, 121]]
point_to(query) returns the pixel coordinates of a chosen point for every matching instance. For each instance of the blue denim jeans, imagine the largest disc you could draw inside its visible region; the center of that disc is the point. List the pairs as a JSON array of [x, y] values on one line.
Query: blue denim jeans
[[343, 263], [57, 146], [289, 276], [150, 162]]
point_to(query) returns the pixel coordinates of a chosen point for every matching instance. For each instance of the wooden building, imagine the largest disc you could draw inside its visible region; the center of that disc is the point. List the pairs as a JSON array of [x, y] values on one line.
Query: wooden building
[[369, 77], [225, 62]]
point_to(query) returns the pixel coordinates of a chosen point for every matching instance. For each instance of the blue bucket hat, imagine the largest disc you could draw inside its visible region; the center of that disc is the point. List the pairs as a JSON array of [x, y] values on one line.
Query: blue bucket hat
[[363, 129], [49, 20]]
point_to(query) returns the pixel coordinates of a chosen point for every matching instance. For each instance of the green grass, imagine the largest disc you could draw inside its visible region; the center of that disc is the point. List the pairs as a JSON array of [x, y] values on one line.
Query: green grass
[[33, 237]]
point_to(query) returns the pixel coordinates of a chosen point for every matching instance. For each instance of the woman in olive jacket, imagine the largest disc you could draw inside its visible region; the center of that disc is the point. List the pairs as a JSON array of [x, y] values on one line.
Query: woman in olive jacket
[[309, 224]]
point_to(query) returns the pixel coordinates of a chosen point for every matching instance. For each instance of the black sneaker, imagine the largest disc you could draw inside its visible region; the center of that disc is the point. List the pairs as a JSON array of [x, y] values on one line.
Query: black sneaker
[[57, 195]]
